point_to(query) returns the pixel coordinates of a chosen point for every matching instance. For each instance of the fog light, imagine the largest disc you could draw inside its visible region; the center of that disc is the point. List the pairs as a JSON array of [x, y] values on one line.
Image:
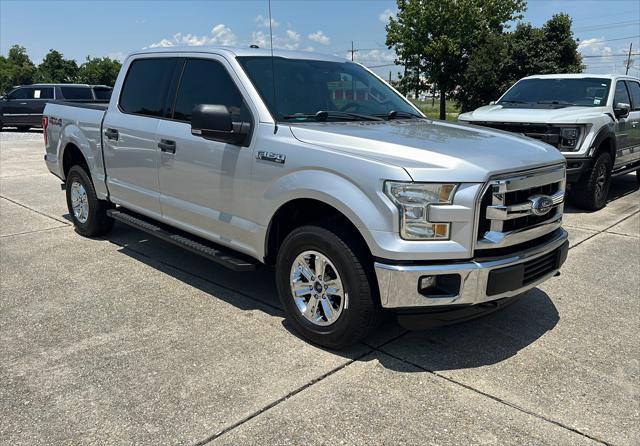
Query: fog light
[[426, 282], [444, 285]]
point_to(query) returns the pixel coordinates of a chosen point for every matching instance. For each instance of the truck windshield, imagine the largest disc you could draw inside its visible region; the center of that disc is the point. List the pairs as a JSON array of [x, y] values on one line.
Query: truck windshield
[[556, 93], [322, 90]]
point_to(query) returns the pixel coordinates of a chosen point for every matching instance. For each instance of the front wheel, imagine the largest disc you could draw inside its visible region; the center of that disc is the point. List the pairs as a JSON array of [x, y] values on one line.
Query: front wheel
[[88, 213], [324, 288], [591, 191]]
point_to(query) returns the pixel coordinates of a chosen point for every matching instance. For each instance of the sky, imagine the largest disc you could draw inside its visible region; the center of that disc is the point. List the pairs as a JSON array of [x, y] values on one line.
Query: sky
[[80, 28]]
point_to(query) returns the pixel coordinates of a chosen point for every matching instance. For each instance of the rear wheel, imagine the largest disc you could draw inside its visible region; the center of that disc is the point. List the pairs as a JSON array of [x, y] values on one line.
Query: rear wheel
[[591, 191], [324, 288], [89, 214]]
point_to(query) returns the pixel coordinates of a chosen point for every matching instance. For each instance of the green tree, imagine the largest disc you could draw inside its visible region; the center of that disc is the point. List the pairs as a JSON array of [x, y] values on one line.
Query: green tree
[[437, 37], [103, 71], [56, 69], [16, 68], [501, 59]]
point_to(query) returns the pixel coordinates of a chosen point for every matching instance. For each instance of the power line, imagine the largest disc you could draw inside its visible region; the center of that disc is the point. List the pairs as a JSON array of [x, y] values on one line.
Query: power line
[[607, 26], [580, 43], [610, 55]]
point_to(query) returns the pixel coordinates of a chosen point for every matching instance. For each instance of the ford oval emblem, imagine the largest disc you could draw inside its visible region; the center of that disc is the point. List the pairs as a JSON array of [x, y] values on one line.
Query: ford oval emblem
[[541, 204]]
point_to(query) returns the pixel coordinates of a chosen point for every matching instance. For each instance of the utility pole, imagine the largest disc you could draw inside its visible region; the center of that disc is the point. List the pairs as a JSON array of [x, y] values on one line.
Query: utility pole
[[353, 51], [629, 59]]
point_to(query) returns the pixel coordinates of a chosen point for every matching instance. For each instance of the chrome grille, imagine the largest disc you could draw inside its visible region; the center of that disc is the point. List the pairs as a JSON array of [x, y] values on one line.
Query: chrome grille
[[520, 207]]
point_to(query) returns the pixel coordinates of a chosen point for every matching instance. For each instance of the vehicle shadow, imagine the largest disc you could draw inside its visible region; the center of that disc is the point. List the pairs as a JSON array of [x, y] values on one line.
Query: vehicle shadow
[[620, 187], [484, 341]]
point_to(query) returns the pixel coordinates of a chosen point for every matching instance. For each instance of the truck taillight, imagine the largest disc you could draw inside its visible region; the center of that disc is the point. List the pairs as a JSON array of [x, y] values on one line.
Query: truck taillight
[[45, 124]]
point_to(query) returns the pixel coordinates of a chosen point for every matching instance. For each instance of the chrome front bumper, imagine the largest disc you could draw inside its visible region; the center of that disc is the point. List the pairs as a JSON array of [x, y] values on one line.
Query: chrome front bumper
[[398, 284]]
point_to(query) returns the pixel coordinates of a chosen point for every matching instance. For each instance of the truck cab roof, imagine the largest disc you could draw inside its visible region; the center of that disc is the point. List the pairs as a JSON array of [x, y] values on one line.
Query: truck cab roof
[[240, 52]]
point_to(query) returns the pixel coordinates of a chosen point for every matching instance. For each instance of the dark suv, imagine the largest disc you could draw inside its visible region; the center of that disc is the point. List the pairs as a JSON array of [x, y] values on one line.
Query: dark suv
[[22, 107]]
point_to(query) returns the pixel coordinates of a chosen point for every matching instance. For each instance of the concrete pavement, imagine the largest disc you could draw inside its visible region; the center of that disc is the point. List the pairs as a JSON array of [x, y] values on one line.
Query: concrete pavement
[[126, 339]]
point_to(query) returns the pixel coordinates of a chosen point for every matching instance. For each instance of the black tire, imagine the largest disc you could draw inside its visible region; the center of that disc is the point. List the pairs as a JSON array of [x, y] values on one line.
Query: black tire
[[638, 176], [24, 128], [591, 191], [360, 313], [96, 221]]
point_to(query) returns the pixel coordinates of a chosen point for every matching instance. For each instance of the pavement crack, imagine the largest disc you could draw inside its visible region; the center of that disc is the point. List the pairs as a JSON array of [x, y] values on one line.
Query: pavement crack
[[34, 231], [601, 231], [35, 210], [296, 391], [493, 397]]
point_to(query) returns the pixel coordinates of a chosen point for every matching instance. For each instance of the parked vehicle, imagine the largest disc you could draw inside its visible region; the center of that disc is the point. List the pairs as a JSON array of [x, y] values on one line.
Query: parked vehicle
[[316, 166], [22, 107], [593, 119]]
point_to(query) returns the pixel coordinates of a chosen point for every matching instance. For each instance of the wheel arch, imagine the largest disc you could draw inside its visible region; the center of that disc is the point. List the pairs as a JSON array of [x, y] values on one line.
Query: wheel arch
[[305, 211], [605, 141]]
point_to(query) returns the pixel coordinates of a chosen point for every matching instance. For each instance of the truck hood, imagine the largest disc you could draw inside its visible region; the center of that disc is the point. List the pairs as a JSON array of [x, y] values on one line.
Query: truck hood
[[565, 115], [432, 150]]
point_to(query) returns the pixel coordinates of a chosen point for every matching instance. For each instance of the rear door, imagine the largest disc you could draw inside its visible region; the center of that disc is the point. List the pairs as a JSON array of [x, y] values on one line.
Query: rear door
[[203, 183], [129, 133], [36, 99]]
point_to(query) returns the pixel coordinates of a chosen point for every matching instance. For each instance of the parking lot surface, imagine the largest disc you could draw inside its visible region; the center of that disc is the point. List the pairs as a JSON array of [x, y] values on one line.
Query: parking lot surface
[[127, 339]]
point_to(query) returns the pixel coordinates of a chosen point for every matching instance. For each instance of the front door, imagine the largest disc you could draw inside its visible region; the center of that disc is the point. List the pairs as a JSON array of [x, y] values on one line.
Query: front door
[[36, 100], [129, 134], [634, 117], [14, 107], [624, 127], [203, 183]]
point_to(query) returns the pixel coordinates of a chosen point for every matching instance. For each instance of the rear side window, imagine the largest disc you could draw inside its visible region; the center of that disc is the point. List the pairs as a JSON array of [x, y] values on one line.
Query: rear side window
[[39, 93], [77, 93], [20, 93], [145, 88], [634, 89], [102, 94], [207, 82], [622, 95]]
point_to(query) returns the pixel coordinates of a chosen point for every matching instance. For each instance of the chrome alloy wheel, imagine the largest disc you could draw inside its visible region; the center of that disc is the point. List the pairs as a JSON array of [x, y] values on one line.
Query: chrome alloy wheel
[[79, 202], [316, 288]]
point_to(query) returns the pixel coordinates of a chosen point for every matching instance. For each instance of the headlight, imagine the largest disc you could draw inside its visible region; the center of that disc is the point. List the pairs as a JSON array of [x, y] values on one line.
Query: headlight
[[569, 138], [413, 200]]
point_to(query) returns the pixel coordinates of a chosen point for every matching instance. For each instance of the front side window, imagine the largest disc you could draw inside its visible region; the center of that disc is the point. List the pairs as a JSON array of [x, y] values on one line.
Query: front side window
[[634, 89], [77, 93], [622, 95], [207, 82], [304, 87], [146, 85], [20, 93], [557, 93]]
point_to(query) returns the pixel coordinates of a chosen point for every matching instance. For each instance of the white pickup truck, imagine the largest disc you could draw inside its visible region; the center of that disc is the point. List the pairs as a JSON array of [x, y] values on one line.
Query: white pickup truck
[[593, 119], [316, 166]]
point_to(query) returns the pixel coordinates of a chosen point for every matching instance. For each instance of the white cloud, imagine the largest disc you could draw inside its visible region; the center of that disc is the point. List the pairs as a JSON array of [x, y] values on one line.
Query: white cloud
[[264, 22], [319, 37], [373, 57], [594, 46], [118, 55], [220, 35], [290, 40], [386, 15]]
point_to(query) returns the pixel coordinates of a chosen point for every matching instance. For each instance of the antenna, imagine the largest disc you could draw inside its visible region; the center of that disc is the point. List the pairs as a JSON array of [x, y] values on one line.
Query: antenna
[[273, 72]]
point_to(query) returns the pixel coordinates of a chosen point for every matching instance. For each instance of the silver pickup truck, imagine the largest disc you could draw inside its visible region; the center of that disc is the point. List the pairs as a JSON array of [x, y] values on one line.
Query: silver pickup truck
[[314, 165]]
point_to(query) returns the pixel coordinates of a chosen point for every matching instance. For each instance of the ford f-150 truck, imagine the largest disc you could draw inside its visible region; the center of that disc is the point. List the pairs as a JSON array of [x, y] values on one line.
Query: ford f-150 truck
[[316, 166], [593, 119]]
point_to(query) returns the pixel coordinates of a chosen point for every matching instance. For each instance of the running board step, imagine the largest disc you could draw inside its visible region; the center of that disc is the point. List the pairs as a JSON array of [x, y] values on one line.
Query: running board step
[[204, 248]]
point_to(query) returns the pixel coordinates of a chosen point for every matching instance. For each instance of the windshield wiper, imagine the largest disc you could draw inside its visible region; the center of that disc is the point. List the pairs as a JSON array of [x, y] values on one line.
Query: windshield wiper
[[555, 102], [512, 101], [393, 114], [323, 115]]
